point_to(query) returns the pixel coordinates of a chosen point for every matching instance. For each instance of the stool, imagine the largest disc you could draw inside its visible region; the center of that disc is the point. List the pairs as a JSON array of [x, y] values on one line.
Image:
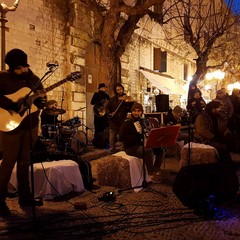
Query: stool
[[199, 154], [62, 175], [121, 170]]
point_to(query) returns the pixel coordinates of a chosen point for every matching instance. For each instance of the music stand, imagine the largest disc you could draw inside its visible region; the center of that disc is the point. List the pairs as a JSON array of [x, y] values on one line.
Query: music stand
[[158, 137], [162, 137]]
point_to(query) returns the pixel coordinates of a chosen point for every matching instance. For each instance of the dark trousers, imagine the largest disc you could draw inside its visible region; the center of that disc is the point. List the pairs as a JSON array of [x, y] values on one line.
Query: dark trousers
[[100, 124], [152, 166], [16, 149]]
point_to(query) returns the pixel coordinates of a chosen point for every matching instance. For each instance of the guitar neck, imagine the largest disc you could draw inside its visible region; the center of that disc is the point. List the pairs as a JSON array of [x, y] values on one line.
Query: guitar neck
[[71, 77], [55, 85]]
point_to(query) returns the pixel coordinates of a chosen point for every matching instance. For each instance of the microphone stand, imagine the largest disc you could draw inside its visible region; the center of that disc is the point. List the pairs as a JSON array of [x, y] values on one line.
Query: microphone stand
[[28, 106], [38, 83], [144, 182], [190, 127], [62, 105]]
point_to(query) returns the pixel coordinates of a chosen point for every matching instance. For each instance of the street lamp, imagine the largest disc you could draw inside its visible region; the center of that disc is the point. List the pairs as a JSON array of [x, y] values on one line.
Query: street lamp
[[218, 75], [4, 9]]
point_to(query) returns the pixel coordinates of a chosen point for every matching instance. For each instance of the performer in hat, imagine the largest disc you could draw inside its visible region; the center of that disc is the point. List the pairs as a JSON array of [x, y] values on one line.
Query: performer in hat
[[99, 100], [16, 144]]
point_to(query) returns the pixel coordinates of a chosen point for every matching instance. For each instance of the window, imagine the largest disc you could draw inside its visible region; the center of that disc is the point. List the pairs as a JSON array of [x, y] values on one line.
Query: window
[[160, 60]]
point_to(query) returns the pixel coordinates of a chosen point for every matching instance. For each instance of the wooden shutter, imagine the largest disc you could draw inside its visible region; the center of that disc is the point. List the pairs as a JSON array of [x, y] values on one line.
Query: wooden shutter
[[163, 62], [160, 60]]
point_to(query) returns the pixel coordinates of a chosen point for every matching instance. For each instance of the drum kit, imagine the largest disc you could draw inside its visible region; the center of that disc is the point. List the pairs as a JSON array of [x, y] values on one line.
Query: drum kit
[[63, 137]]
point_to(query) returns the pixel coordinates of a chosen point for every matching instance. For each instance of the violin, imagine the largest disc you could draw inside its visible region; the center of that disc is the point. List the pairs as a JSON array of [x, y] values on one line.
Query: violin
[[125, 98]]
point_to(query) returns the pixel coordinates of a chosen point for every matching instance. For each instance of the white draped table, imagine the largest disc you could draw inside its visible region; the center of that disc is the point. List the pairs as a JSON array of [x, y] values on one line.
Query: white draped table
[[54, 179], [136, 170]]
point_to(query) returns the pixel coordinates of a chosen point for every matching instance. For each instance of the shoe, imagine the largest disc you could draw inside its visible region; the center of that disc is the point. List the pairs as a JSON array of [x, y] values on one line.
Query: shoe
[[30, 202], [4, 210]]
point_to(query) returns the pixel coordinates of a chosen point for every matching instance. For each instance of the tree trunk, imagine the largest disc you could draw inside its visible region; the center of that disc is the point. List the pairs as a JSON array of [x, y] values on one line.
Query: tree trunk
[[109, 71], [201, 69]]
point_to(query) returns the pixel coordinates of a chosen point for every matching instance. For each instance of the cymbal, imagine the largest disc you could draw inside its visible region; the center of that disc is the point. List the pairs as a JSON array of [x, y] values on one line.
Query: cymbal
[[57, 111]]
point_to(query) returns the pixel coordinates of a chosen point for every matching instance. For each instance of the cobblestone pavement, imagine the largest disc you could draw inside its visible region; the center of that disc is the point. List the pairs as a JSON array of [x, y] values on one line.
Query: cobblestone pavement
[[146, 214]]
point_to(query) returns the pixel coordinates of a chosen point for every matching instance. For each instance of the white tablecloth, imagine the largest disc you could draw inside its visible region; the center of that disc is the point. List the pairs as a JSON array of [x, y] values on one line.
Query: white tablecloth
[[53, 179], [136, 170]]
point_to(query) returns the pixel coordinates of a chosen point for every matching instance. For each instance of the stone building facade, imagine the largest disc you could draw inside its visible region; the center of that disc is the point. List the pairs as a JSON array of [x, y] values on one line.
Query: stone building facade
[[61, 30]]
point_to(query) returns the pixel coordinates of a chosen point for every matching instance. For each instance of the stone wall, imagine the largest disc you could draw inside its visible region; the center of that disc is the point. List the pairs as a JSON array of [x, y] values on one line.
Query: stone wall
[[53, 30], [61, 30]]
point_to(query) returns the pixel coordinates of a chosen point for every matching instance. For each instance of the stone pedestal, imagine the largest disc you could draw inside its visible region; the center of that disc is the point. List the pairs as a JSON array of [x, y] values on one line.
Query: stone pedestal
[[199, 154]]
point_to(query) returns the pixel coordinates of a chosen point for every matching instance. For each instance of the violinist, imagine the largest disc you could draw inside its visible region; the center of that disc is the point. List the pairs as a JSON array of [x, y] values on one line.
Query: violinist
[[117, 109]]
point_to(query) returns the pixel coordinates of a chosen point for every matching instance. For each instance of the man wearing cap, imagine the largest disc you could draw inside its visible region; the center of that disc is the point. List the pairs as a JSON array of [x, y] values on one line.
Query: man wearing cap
[[17, 143], [99, 100]]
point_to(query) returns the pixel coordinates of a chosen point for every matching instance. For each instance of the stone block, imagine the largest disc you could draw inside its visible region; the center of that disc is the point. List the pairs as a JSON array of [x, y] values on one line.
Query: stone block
[[114, 171], [199, 154]]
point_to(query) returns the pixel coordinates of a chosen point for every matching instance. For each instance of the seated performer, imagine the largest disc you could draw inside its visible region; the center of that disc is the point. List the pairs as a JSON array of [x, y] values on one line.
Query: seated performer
[[50, 114], [211, 129], [174, 117], [132, 135]]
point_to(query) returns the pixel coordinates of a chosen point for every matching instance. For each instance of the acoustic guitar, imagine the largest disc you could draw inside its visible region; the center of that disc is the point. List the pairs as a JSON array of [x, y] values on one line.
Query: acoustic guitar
[[10, 119], [99, 110]]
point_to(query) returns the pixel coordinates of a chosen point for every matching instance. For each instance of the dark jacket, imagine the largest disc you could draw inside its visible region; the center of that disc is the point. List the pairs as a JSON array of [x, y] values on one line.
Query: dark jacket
[[227, 106], [128, 133], [195, 107], [117, 120], [99, 98], [169, 119], [205, 129], [12, 88]]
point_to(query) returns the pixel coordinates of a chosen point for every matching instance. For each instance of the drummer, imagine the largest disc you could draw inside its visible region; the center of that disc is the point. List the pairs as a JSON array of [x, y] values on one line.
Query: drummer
[[50, 114]]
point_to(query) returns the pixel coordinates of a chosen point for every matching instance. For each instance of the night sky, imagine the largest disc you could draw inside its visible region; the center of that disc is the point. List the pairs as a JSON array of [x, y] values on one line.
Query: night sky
[[236, 6]]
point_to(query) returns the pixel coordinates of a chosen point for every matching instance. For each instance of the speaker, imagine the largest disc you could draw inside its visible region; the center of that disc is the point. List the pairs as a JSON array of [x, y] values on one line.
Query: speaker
[[162, 103], [195, 185]]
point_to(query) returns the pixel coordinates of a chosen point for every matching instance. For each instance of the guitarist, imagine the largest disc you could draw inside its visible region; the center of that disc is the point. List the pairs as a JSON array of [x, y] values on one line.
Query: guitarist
[[16, 143], [117, 108], [100, 117]]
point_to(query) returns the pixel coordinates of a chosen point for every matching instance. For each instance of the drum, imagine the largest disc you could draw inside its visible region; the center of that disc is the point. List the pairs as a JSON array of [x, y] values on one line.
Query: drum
[[73, 122], [67, 131], [49, 132], [78, 141], [72, 141]]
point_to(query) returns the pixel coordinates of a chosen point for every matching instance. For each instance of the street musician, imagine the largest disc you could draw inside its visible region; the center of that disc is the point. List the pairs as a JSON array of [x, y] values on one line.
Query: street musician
[[117, 109], [132, 134], [174, 117], [99, 99]]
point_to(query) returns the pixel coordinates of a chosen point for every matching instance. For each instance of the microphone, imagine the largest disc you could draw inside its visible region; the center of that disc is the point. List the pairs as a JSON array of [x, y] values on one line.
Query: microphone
[[52, 64]]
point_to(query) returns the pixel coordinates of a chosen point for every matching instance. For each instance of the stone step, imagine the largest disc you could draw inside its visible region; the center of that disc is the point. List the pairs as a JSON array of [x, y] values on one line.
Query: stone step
[[92, 153]]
